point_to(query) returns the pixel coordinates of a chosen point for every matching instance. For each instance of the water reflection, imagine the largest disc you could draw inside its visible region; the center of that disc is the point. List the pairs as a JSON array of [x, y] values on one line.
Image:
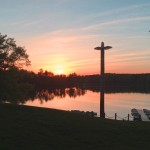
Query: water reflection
[[42, 95], [103, 103], [46, 95]]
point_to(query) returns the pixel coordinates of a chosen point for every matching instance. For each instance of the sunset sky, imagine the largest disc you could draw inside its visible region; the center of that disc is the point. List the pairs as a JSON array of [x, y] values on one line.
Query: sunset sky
[[60, 35]]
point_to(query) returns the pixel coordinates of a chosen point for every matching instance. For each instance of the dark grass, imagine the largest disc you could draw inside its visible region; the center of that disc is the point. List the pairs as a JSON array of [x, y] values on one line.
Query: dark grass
[[32, 128]]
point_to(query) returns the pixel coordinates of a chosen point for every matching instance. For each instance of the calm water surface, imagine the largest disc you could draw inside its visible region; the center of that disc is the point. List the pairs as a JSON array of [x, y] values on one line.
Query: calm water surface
[[120, 103]]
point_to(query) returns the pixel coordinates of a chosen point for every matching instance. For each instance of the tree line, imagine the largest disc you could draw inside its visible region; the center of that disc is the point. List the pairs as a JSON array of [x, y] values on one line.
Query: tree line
[[20, 84]]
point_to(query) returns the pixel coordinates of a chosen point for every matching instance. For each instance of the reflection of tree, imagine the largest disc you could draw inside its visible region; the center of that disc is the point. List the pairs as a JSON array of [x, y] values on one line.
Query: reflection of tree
[[74, 92], [46, 95], [61, 93], [43, 95], [121, 89]]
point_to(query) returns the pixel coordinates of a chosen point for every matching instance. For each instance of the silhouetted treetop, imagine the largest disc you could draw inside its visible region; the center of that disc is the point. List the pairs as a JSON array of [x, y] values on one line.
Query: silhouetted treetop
[[12, 55], [45, 73]]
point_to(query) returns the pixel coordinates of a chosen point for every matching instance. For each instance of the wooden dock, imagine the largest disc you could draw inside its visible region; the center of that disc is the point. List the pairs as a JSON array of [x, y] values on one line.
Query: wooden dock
[[143, 115]]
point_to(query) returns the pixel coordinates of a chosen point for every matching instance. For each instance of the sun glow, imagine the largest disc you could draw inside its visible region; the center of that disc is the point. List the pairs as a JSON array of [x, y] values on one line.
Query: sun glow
[[59, 72]]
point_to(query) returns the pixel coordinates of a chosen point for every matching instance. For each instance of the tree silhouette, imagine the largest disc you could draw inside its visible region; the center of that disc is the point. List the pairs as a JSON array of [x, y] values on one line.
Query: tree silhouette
[[12, 55]]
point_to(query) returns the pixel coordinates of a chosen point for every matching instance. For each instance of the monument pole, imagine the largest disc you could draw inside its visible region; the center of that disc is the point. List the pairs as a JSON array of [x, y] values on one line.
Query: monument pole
[[102, 72]]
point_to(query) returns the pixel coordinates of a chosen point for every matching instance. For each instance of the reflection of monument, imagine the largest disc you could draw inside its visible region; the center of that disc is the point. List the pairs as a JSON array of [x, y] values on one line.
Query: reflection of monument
[[102, 110], [102, 49]]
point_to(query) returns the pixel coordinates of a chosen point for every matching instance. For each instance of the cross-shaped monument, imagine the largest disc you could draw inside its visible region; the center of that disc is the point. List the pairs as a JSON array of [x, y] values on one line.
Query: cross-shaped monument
[[102, 49]]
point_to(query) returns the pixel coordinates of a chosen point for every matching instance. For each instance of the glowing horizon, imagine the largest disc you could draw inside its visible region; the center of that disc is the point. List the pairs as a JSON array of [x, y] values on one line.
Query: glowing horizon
[[60, 35]]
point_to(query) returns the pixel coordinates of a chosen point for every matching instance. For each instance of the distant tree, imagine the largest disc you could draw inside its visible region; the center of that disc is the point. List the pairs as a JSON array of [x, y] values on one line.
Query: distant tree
[[40, 72], [73, 75], [48, 73], [45, 73], [12, 55]]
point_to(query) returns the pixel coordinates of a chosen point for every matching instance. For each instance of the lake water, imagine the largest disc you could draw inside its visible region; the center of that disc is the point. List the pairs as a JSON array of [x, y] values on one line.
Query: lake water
[[120, 103]]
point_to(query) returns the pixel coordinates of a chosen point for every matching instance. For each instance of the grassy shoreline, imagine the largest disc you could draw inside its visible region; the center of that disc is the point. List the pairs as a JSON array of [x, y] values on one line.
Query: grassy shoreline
[[34, 128]]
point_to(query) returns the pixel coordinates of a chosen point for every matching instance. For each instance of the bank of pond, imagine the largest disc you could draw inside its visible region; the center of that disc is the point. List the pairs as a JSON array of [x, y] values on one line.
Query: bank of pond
[[26, 127]]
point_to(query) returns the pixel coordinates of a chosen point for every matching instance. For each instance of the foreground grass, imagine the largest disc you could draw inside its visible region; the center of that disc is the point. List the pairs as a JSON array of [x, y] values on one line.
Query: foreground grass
[[32, 128]]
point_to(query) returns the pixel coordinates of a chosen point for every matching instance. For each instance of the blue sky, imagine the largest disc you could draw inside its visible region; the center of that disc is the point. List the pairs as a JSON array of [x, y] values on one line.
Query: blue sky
[[61, 34]]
